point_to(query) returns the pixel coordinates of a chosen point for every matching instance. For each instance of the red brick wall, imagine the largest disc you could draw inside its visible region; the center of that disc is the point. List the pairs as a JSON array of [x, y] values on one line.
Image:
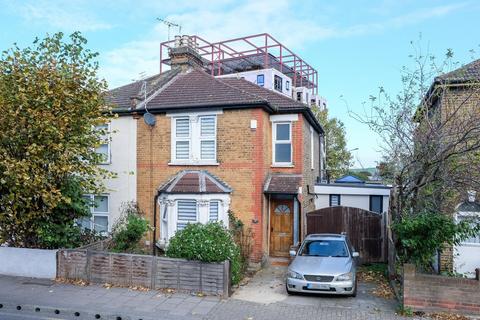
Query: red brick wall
[[433, 293]]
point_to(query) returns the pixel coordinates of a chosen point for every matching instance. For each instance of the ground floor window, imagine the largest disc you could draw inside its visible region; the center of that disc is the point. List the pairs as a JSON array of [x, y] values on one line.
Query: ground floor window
[[99, 209], [335, 200], [376, 204], [178, 210], [186, 213]]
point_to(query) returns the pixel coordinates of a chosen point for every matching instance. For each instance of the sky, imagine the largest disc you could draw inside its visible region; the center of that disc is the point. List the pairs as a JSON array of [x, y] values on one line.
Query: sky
[[356, 46]]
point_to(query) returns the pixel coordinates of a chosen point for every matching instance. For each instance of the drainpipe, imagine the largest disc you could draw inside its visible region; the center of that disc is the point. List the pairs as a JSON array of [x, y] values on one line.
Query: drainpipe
[[154, 241]]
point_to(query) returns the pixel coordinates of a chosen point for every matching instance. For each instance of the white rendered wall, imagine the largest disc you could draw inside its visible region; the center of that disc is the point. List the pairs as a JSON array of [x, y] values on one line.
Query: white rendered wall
[[35, 263], [350, 196], [123, 161], [269, 74]]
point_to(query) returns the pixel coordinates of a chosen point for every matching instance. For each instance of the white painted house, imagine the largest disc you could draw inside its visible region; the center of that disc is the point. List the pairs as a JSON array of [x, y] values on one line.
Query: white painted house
[[349, 191], [466, 256], [119, 152]]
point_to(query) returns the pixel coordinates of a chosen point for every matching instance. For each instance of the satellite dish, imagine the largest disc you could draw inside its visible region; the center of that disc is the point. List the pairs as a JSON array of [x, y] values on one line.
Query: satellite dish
[[149, 119]]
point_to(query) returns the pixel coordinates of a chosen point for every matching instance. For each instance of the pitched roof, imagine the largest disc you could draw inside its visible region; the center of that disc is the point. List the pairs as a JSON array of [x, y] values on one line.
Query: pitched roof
[[194, 181], [349, 179], [121, 97], [175, 90], [283, 183], [468, 73]]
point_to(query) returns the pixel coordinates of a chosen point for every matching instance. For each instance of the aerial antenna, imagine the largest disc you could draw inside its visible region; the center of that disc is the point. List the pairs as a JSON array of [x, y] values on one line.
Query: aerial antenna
[[147, 116], [170, 24]]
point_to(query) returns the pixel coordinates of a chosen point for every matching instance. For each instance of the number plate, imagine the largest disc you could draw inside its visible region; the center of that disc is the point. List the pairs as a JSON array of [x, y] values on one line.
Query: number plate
[[318, 286]]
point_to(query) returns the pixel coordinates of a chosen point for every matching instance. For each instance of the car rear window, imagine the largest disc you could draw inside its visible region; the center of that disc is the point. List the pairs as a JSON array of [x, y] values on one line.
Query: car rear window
[[325, 248]]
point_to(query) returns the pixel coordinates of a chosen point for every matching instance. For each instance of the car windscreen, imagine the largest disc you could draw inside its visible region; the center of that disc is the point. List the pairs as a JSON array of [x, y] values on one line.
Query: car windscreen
[[325, 248]]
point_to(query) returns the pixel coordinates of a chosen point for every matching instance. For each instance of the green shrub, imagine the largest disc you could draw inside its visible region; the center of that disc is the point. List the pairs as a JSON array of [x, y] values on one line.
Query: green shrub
[[129, 229], [420, 235], [210, 242]]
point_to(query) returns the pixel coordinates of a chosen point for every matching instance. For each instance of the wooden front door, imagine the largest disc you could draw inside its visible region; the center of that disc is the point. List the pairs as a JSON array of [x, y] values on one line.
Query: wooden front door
[[281, 227]]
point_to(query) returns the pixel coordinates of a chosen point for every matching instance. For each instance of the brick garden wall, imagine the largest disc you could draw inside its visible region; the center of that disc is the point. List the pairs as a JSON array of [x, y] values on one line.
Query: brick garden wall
[[433, 293]]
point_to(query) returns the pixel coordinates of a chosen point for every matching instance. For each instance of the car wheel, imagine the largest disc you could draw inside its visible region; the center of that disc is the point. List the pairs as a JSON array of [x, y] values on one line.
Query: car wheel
[[354, 293], [291, 293]]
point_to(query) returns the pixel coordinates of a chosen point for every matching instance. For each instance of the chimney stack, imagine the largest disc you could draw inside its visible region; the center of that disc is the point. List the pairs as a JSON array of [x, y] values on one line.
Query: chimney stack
[[471, 196], [184, 54]]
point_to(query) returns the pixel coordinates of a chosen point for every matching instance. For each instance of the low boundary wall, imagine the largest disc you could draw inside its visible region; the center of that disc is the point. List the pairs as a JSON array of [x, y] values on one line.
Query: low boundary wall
[[22, 262]]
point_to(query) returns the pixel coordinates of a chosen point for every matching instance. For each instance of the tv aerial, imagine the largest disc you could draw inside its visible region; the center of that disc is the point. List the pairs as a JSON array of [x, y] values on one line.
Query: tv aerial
[[170, 24], [148, 118]]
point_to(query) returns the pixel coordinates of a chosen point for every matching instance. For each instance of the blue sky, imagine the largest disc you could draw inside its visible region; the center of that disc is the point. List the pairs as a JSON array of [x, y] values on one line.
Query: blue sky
[[356, 45]]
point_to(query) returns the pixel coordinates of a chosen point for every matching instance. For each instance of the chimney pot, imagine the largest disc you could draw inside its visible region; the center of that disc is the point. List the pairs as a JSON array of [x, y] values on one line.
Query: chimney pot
[[471, 196]]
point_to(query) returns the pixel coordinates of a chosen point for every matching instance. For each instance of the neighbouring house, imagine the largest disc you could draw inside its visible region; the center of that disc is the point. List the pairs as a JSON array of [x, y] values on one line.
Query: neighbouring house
[[212, 137], [351, 191], [119, 151], [452, 96], [466, 255]]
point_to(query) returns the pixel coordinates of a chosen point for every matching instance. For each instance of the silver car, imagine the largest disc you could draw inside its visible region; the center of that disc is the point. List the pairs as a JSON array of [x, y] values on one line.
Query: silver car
[[324, 263]]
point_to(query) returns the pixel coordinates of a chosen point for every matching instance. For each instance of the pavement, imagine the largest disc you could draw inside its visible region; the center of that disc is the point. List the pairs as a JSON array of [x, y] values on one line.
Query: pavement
[[263, 298]]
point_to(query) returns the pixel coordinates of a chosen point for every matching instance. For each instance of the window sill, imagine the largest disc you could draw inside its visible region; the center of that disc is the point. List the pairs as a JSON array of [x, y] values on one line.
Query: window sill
[[191, 163], [281, 165]]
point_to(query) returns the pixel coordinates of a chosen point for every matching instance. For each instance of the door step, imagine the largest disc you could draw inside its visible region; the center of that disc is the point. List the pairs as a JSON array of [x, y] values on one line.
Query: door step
[[278, 261]]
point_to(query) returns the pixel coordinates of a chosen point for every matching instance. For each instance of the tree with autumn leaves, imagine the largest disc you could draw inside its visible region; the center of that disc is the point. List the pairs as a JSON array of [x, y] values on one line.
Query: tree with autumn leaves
[[50, 100]]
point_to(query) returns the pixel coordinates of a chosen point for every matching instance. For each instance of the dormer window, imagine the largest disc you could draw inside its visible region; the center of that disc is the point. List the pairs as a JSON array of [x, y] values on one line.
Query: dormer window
[[261, 80], [287, 85], [299, 96], [277, 83]]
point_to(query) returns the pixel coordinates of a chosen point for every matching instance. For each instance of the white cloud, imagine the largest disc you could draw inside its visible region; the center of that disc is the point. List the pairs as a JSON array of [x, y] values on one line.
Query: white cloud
[[71, 16], [225, 20]]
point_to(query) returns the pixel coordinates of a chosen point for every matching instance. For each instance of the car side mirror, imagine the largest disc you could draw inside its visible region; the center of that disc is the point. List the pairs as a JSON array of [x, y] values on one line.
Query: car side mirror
[[355, 254], [293, 253]]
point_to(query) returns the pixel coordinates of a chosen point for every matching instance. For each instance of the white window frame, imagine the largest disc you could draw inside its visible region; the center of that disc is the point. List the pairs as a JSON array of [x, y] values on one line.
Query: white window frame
[[195, 138], [176, 139], [168, 213], [263, 81], [275, 141], [197, 213], [100, 214], [219, 203], [109, 147]]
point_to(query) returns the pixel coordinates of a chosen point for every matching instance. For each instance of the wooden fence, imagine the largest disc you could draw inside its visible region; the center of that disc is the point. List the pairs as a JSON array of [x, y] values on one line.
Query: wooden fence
[[365, 229], [143, 270]]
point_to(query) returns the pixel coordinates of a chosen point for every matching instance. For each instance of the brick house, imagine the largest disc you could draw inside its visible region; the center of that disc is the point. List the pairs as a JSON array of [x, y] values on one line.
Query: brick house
[[454, 95], [216, 144]]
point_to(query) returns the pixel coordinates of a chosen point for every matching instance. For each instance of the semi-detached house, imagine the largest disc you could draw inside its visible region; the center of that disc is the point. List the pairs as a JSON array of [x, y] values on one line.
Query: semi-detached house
[[215, 144]]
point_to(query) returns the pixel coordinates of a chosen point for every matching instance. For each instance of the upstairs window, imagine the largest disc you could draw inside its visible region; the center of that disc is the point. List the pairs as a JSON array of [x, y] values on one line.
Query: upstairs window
[[261, 80], [376, 204], [287, 85], [277, 83], [299, 96], [186, 213], [104, 148], [335, 200], [282, 143], [194, 139]]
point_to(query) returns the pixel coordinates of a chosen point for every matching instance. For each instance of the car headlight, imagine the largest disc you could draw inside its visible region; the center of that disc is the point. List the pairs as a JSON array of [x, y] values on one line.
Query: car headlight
[[345, 277], [294, 275]]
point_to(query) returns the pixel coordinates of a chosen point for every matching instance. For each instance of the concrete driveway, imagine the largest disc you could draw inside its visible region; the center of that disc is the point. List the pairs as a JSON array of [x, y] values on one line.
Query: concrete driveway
[[268, 287]]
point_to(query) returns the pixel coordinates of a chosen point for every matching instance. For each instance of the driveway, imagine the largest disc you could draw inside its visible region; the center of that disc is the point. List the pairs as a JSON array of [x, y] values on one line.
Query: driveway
[[268, 287]]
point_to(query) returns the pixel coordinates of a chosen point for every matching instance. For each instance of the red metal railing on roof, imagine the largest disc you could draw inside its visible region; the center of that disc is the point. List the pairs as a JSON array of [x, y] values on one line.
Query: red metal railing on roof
[[246, 53]]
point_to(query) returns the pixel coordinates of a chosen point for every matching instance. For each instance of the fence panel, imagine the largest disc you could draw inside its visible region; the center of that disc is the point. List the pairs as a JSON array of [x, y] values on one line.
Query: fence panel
[[365, 229], [143, 270]]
